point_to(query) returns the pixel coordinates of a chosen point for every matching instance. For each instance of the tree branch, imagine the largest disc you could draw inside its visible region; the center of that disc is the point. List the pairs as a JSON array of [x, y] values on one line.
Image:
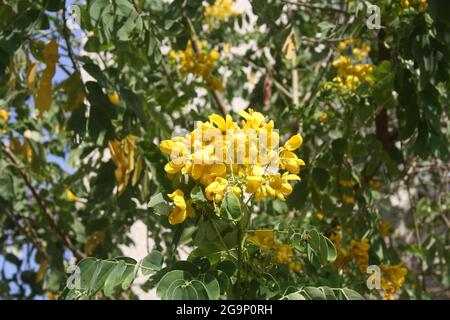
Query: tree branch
[[41, 203]]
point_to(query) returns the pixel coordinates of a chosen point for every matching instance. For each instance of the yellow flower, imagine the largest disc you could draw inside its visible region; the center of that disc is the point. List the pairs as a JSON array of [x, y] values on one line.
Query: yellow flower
[[278, 253], [385, 228], [222, 156], [183, 208], [279, 186], [392, 279], [216, 190], [114, 98], [350, 72], [198, 62], [324, 118], [350, 200], [219, 11], [422, 5], [4, 115], [71, 196], [347, 183], [253, 119], [359, 251], [290, 162], [374, 183], [294, 142], [221, 123]]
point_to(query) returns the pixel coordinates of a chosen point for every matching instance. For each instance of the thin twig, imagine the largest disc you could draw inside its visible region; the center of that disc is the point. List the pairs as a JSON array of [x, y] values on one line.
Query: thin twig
[[30, 233]]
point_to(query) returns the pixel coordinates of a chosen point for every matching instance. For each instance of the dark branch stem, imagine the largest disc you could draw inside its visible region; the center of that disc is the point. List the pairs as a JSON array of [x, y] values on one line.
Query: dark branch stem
[[29, 232]]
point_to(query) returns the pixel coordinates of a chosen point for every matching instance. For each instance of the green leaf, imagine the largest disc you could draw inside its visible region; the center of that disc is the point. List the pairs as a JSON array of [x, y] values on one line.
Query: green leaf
[[320, 177], [135, 104], [332, 254], [315, 293], [6, 186], [152, 262], [233, 206], [328, 292], [295, 296], [212, 286], [350, 294], [197, 195], [320, 250], [114, 278], [160, 204], [170, 282]]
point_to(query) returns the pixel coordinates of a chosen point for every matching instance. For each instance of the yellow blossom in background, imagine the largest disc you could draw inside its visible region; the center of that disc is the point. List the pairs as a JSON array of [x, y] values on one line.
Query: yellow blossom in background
[[350, 71], [350, 200], [324, 118], [71, 196], [392, 279], [385, 228], [374, 183], [211, 159], [359, 251], [198, 62], [279, 253], [125, 156], [221, 10], [114, 98], [347, 183], [4, 115], [422, 5]]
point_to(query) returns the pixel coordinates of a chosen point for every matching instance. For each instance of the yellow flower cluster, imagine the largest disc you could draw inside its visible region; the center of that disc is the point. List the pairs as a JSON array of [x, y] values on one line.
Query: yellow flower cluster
[[350, 71], [392, 279], [279, 253], [358, 250], [219, 11], [223, 156], [422, 5], [199, 63], [125, 156]]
